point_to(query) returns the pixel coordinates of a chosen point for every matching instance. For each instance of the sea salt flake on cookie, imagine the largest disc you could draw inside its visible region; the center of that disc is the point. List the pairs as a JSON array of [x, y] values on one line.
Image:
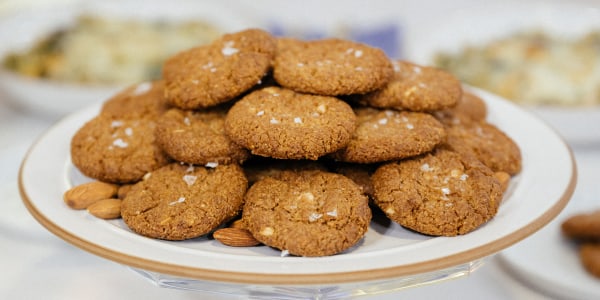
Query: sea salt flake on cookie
[[142, 88]]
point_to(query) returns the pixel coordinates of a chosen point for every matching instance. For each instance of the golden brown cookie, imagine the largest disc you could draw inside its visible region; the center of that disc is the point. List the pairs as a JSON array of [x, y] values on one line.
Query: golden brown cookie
[[487, 143], [259, 167], [144, 99], [416, 88], [209, 75], [198, 137], [280, 123], [442, 193], [583, 226], [359, 173], [307, 213], [178, 201], [330, 67], [118, 150], [469, 108], [589, 254], [383, 135]]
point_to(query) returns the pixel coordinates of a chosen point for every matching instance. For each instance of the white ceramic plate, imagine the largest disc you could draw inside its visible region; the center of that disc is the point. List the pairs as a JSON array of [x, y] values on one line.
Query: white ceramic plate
[[548, 261], [481, 24], [387, 252], [21, 29]]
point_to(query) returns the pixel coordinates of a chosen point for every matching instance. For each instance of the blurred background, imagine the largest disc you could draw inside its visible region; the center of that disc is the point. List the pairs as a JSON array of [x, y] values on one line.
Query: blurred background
[[60, 56]]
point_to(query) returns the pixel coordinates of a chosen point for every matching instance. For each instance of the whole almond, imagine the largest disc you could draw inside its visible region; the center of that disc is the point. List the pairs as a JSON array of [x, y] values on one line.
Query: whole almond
[[235, 237], [123, 190], [106, 209], [83, 195]]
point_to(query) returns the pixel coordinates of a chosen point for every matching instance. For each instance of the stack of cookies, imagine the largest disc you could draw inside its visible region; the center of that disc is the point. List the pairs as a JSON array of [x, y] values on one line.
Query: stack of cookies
[[301, 140]]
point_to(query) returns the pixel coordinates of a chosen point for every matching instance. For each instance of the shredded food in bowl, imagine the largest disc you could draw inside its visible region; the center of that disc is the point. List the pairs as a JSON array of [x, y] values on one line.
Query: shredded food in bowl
[[101, 50], [532, 67]]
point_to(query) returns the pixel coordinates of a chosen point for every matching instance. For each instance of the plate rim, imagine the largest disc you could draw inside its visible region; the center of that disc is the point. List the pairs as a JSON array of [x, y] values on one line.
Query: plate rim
[[243, 277]]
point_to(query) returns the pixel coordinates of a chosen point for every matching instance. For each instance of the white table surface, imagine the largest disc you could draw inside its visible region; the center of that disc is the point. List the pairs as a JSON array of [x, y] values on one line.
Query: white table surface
[[35, 264]]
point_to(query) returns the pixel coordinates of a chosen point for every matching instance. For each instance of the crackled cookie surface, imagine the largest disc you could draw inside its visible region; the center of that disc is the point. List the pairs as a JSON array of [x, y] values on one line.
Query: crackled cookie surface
[[118, 150], [488, 143], [417, 88], [307, 213], [330, 67], [179, 201], [212, 74], [145, 99], [384, 135], [440, 193], [198, 137], [280, 123]]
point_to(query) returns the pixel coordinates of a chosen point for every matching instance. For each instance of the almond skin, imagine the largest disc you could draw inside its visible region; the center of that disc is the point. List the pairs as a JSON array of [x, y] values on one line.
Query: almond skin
[[83, 195], [235, 237], [106, 209]]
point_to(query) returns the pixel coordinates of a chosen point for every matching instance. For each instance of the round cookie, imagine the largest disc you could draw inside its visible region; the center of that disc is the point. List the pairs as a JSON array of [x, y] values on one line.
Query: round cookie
[[383, 135], [208, 75], [416, 88], [118, 150], [280, 123], [442, 193], [487, 143], [583, 226], [589, 254], [469, 108], [198, 137], [178, 202], [330, 67], [144, 99], [307, 213]]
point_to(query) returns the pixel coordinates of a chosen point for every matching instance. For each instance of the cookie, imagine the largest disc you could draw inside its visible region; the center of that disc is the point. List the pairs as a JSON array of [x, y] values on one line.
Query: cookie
[[589, 255], [216, 73], [359, 173], [144, 99], [280, 123], [307, 213], [583, 226], [487, 143], [259, 167], [178, 201], [383, 135], [469, 108], [117, 150], [416, 88], [198, 137], [442, 193], [330, 67]]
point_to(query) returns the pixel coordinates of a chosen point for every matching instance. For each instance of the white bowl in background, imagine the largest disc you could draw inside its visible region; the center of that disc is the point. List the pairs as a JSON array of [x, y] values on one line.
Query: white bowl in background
[[479, 25], [21, 29]]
